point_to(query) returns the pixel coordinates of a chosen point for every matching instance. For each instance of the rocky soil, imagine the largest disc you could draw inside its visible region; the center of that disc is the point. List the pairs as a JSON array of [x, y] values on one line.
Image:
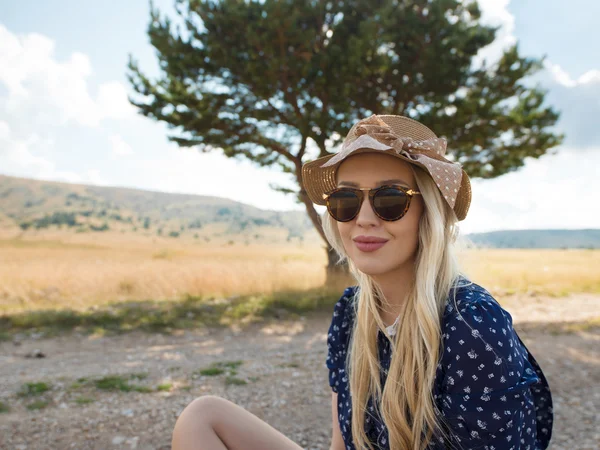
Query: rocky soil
[[283, 366]]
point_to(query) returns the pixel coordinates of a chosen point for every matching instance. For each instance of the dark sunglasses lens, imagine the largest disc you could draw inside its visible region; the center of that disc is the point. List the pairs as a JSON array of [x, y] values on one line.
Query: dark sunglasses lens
[[390, 203], [343, 205]]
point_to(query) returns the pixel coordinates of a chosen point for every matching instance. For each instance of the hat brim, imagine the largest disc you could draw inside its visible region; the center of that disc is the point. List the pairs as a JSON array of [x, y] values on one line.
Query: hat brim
[[318, 180]]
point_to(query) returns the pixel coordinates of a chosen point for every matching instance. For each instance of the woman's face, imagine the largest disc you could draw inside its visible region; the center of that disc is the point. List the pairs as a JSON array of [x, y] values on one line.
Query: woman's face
[[370, 170]]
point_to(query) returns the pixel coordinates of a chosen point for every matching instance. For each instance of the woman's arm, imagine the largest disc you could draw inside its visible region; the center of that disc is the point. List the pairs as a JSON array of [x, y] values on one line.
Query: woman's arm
[[337, 441], [486, 397]]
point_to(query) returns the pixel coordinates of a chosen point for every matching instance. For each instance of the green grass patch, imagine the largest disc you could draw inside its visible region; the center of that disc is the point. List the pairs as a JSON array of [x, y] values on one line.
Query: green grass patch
[[84, 400], [230, 364], [235, 381], [164, 387], [38, 404], [79, 383], [143, 389], [229, 368], [122, 383], [113, 383], [4, 408], [219, 368], [211, 371], [33, 389], [167, 316]]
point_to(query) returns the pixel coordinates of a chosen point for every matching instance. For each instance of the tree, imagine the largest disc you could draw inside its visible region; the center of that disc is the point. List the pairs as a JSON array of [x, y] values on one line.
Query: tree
[[269, 80]]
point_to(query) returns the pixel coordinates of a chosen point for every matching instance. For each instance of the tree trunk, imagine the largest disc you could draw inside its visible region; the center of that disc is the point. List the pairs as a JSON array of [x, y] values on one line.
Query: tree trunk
[[338, 275]]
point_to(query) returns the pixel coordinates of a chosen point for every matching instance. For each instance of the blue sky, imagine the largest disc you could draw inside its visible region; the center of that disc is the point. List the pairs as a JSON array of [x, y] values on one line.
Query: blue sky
[[64, 113]]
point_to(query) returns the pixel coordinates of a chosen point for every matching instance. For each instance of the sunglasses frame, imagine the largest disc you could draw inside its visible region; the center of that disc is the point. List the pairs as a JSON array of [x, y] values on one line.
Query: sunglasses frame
[[372, 192]]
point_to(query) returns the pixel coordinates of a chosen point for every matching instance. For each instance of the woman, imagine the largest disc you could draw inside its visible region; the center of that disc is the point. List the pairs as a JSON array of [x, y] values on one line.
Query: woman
[[424, 358], [431, 359]]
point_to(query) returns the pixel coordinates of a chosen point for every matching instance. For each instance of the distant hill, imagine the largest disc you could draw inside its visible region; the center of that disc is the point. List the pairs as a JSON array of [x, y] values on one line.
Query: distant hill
[[585, 238], [34, 205], [29, 205]]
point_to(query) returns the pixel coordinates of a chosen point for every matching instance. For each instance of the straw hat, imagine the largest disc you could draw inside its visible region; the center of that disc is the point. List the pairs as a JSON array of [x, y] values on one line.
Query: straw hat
[[403, 138]]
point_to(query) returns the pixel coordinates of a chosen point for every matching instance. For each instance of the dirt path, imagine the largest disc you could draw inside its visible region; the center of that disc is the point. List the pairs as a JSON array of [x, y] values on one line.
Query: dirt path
[[284, 366]]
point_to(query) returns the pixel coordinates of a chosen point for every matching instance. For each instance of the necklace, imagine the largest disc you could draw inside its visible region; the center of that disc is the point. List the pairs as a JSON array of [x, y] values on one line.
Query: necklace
[[391, 330]]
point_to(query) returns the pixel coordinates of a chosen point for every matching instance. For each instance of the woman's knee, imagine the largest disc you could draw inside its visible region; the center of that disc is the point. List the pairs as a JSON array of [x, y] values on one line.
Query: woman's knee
[[204, 409], [196, 424]]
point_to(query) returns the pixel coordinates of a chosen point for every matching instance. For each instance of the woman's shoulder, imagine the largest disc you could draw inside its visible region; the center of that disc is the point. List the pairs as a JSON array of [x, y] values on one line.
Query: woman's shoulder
[[470, 298], [344, 305], [475, 322]]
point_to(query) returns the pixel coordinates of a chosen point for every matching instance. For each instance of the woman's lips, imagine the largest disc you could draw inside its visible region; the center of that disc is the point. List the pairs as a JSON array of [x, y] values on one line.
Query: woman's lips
[[369, 246]]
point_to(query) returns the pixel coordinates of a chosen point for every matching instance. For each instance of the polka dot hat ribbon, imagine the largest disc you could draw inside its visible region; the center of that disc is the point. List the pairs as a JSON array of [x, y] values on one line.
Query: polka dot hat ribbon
[[374, 133]]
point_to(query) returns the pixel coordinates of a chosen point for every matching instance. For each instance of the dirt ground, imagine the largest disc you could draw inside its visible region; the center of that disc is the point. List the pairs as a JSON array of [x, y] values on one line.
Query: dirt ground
[[283, 365]]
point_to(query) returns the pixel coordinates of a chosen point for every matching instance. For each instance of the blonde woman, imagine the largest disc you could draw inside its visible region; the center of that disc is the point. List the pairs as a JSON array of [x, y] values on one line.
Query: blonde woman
[[419, 357]]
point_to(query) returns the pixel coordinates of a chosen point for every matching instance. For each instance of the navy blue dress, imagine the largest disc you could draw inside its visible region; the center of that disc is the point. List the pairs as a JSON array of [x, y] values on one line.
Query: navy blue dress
[[488, 387]]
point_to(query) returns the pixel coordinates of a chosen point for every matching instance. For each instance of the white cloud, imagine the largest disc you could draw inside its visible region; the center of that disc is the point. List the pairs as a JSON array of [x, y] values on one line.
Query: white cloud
[[42, 97], [113, 102], [554, 191], [93, 176], [578, 101], [52, 91], [4, 130], [20, 157], [562, 77], [17, 158], [119, 146], [494, 13], [189, 171]]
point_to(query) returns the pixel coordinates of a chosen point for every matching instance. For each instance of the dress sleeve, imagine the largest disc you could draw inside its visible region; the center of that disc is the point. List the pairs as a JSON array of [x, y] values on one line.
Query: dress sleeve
[[337, 339], [486, 397]]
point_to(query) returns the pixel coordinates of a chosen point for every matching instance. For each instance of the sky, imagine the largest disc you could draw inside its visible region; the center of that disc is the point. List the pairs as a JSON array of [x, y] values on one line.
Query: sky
[[65, 116]]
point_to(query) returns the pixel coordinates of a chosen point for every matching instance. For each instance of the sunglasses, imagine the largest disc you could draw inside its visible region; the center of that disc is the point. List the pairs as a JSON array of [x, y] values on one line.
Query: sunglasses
[[389, 202]]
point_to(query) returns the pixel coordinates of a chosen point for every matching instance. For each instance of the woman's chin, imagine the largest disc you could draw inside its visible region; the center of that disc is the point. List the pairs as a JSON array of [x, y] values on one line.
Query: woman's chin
[[372, 269]]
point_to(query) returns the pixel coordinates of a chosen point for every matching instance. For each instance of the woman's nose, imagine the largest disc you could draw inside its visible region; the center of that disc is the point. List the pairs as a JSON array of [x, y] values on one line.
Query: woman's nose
[[366, 215]]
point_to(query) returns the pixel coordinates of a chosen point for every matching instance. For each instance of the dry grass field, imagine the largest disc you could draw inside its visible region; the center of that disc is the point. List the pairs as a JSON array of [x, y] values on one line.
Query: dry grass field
[[53, 274], [71, 271]]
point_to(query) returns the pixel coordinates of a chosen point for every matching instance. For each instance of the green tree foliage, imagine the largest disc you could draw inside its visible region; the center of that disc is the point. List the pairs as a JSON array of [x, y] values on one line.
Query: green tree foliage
[[57, 218], [263, 80], [102, 227], [195, 224]]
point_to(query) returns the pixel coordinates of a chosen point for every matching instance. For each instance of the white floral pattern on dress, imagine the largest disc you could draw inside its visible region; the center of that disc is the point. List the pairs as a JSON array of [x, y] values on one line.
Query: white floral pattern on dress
[[489, 389]]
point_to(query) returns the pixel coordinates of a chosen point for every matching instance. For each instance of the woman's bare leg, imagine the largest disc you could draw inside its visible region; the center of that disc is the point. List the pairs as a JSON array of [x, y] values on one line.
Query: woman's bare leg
[[214, 423]]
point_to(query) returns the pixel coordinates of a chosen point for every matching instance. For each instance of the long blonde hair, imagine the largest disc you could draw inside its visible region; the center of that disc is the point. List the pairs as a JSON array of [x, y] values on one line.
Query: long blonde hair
[[406, 403]]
